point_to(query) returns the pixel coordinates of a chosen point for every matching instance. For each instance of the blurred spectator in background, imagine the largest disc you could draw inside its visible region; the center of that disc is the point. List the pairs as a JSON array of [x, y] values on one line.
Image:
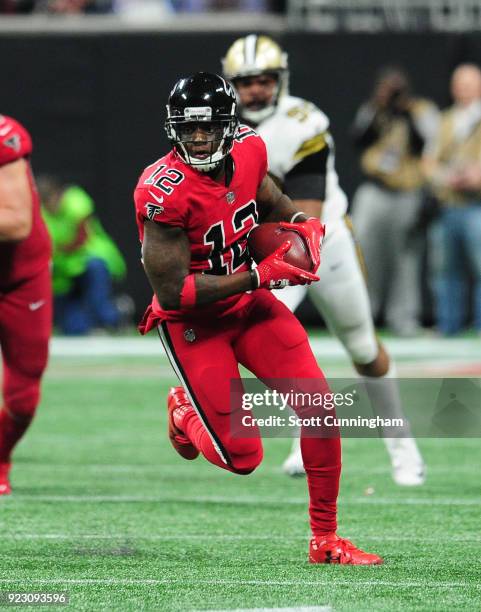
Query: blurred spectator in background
[[142, 9], [453, 167], [148, 8], [138, 9], [200, 6], [13, 7], [85, 260], [73, 7], [391, 131]]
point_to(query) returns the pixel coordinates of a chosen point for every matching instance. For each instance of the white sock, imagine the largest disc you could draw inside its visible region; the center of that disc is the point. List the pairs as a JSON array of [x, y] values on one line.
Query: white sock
[[296, 443]]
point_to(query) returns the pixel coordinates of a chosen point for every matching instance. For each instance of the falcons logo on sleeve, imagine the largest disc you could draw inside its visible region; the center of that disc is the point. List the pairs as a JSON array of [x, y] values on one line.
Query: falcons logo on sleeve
[[13, 142], [152, 210]]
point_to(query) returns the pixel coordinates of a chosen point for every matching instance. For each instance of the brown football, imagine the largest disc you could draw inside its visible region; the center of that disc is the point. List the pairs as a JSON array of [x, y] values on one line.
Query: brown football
[[267, 237]]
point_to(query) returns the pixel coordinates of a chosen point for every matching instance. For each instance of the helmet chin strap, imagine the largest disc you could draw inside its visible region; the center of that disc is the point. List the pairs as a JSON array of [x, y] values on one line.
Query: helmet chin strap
[[202, 167]]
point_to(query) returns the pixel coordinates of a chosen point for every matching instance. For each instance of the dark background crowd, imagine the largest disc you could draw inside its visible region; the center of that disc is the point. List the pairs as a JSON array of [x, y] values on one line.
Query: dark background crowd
[[13, 7], [78, 88], [103, 7]]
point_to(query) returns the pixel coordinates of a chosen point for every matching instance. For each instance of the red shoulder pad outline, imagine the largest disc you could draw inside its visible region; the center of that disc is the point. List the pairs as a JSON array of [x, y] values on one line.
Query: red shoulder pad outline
[[243, 132]]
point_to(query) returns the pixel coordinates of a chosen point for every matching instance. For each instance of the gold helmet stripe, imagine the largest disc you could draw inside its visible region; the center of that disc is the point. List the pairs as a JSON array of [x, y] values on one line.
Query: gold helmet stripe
[[250, 49]]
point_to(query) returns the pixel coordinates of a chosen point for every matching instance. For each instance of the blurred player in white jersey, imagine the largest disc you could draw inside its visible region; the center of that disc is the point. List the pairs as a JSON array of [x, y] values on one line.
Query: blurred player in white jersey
[[301, 158]]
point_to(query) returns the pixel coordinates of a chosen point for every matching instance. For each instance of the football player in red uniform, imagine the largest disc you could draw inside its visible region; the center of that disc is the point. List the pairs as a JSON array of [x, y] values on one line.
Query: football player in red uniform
[[25, 291], [194, 208]]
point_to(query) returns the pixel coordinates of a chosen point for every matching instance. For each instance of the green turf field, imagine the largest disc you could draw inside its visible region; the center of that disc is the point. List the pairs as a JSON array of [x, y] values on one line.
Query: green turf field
[[103, 507]]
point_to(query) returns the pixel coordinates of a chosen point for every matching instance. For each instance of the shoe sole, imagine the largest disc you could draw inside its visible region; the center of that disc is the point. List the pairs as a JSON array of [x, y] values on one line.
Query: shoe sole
[[311, 560], [187, 451]]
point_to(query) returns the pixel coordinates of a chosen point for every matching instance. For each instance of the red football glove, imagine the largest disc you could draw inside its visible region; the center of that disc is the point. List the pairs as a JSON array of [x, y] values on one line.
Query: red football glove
[[275, 273], [313, 232]]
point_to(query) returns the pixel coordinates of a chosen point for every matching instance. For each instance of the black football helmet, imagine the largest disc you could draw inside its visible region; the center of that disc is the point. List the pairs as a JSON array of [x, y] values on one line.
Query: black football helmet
[[205, 99]]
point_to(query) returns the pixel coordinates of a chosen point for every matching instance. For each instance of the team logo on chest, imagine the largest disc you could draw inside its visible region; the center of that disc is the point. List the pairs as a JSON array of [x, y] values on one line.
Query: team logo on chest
[[230, 197], [152, 210]]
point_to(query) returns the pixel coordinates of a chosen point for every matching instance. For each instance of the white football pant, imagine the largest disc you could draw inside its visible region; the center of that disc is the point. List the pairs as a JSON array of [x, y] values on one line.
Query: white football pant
[[341, 295]]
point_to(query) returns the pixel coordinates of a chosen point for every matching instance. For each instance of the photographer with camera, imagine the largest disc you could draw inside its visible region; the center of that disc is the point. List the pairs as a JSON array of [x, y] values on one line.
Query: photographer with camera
[[392, 130]]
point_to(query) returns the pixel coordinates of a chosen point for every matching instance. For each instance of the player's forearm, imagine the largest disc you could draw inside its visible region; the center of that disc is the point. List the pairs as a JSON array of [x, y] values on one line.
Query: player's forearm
[[167, 290], [284, 210], [13, 228], [15, 202], [210, 288], [197, 289], [275, 206], [312, 208]]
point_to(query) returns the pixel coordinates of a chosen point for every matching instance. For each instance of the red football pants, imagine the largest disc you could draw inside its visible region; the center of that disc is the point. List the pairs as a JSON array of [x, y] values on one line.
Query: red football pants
[[25, 328], [266, 338]]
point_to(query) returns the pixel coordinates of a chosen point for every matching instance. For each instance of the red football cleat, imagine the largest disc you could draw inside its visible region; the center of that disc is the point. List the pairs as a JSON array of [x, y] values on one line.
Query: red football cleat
[[177, 405], [5, 488], [333, 549]]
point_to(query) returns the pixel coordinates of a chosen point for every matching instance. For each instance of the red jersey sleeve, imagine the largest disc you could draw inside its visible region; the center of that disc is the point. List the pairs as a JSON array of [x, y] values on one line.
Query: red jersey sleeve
[[160, 195], [15, 141], [149, 205], [248, 137]]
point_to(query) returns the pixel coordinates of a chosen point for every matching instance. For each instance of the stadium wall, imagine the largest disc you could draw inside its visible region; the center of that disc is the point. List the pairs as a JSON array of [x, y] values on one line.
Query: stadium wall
[[95, 102]]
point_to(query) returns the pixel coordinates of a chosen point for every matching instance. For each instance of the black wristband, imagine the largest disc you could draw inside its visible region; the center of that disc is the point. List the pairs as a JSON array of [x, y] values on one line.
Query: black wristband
[[254, 279]]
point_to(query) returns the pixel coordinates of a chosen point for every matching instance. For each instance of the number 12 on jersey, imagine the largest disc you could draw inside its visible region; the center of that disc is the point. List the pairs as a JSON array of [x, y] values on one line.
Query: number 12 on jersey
[[243, 220]]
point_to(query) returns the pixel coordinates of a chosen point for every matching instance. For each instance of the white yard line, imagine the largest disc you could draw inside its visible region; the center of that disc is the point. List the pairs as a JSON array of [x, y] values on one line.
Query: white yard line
[[371, 500], [327, 347], [330, 582], [163, 468], [126, 537], [297, 609]]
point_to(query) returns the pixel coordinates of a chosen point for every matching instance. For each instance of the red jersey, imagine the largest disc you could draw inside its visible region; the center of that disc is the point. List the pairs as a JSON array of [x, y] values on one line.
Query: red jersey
[[22, 260], [215, 217]]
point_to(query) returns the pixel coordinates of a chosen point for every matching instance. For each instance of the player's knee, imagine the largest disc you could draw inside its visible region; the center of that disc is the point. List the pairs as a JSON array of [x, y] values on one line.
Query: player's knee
[[22, 400], [27, 366], [246, 465], [246, 462], [380, 367], [21, 385], [362, 347]]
